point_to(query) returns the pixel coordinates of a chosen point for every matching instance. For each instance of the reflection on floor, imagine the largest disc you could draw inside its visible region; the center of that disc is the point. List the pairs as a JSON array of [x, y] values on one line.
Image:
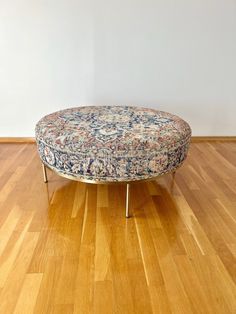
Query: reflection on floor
[[66, 247]]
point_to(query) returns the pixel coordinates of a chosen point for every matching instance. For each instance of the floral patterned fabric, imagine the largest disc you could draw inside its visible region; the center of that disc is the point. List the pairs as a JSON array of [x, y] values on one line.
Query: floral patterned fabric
[[112, 143]]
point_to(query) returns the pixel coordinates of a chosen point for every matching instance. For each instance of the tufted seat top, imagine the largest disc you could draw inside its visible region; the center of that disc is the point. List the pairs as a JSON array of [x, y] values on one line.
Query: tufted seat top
[[112, 143]]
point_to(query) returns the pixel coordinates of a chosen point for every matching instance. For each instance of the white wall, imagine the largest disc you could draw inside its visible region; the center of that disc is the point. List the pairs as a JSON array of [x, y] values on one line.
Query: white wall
[[177, 56]]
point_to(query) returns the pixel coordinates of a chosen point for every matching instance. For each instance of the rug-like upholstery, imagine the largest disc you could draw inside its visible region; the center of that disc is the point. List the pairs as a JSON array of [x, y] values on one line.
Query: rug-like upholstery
[[112, 143]]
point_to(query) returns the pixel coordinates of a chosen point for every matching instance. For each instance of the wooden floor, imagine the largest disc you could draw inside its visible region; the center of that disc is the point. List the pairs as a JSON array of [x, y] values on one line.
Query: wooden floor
[[66, 247]]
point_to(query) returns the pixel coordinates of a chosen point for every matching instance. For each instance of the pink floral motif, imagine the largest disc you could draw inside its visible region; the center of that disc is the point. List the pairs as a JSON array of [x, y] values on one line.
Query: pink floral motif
[[49, 156]]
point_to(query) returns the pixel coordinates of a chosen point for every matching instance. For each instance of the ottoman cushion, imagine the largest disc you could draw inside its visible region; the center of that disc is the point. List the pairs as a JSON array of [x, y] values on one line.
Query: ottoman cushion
[[112, 143]]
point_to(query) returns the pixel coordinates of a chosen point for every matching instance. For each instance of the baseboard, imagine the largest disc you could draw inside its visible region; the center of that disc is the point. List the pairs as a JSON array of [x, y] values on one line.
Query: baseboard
[[17, 140], [193, 140]]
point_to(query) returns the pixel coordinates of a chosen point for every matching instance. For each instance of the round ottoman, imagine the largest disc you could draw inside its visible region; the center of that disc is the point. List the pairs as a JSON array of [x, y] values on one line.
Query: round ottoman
[[105, 144]]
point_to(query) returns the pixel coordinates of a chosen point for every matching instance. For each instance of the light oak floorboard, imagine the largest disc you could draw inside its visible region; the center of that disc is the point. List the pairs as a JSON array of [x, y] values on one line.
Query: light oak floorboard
[[66, 247]]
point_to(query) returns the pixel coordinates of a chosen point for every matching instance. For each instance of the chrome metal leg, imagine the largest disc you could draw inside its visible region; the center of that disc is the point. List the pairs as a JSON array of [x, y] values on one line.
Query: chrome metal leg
[[127, 201], [45, 178]]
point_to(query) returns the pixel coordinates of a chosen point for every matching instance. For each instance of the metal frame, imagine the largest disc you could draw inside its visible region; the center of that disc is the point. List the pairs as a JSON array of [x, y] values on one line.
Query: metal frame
[[45, 177], [127, 205], [127, 201]]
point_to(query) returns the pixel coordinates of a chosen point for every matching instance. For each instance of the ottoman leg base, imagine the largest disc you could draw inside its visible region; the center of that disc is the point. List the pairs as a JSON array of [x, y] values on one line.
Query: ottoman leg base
[[45, 178], [127, 215], [127, 201]]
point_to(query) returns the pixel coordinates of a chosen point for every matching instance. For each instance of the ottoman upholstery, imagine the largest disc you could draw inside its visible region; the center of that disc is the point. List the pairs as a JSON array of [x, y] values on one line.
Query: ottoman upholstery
[[112, 143]]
